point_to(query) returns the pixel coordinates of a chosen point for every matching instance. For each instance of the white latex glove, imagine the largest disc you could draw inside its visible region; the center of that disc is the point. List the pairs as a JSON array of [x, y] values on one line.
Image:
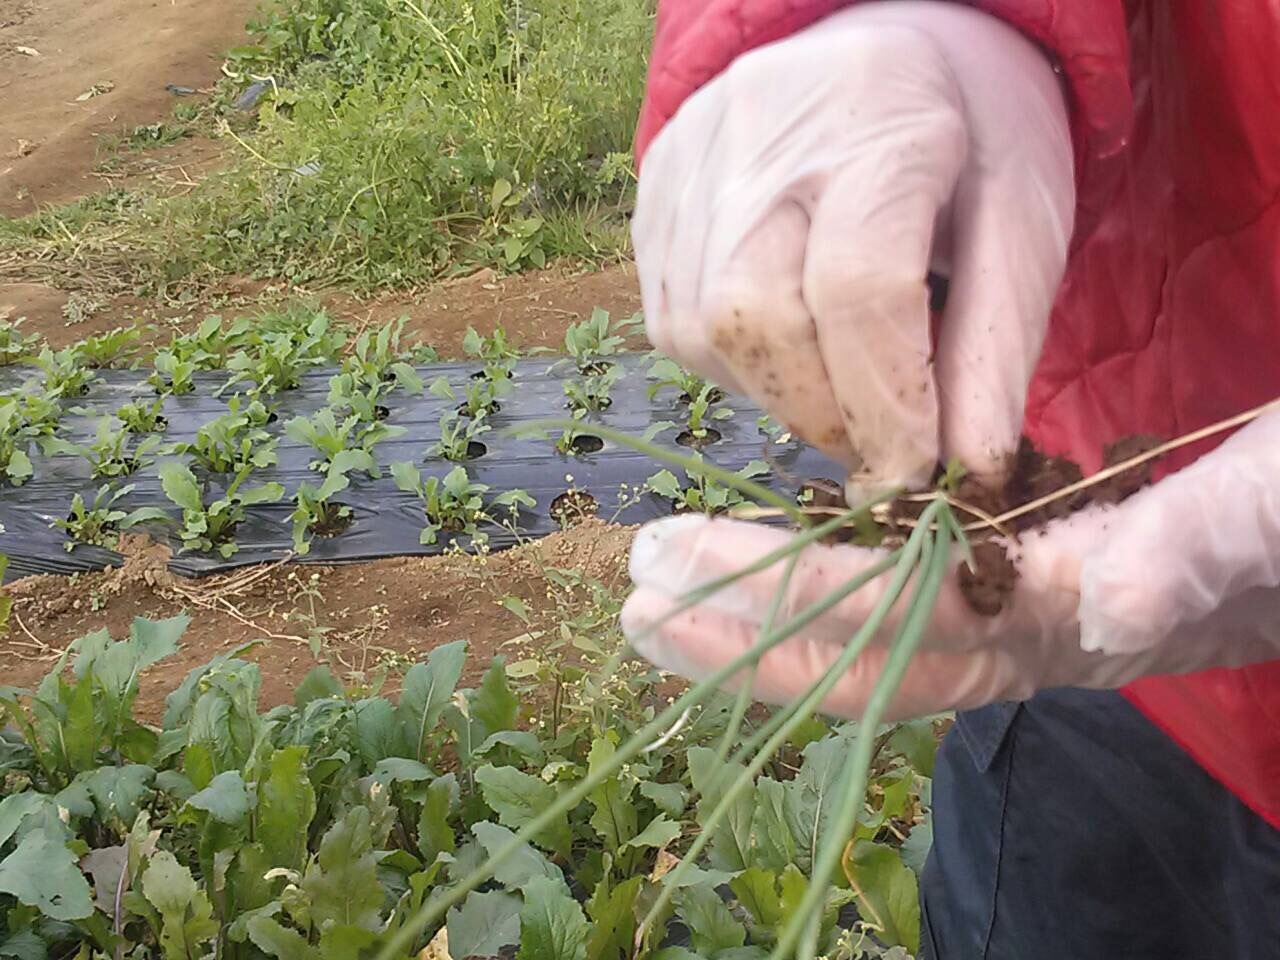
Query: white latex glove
[[788, 215], [1183, 576]]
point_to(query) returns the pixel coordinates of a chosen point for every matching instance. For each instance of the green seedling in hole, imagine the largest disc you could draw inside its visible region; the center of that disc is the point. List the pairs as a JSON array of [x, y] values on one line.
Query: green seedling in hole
[[15, 438], [231, 442], [377, 357], [100, 523], [455, 504], [701, 411], [14, 345], [361, 399], [210, 527], [315, 513], [343, 446], [111, 454], [496, 353], [590, 394], [566, 443], [172, 375], [139, 417], [457, 434], [669, 375], [64, 374], [597, 337], [702, 494], [38, 411], [479, 399], [284, 351], [109, 349], [211, 345]]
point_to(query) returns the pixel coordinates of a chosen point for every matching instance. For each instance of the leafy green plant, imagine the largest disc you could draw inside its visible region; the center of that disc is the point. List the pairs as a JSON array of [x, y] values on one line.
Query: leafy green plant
[[232, 441], [212, 344], [315, 513], [458, 437], [590, 393], [64, 374], [111, 348], [597, 337], [173, 373], [137, 416], [495, 351], [699, 414], [669, 375], [286, 346], [364, 400], [112, 453], [701, 493], [15, 439], [210, 526], [480, 398], [100, 522], [343, 446], [14, 344], [455, 504], [378, 357]]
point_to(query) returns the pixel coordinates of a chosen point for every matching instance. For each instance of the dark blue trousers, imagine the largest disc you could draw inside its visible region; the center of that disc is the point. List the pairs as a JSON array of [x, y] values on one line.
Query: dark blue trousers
[[1070, 828]]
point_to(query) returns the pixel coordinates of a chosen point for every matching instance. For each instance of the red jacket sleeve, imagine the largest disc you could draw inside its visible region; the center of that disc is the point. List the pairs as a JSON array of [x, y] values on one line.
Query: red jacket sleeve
[[697, 39]]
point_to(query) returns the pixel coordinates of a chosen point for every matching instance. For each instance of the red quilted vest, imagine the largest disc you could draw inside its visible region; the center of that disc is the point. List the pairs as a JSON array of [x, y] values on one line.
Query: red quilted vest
[[1169, 315]]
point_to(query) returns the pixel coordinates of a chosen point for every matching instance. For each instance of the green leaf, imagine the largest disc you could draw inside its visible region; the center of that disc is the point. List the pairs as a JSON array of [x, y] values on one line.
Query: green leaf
[[552, 924], [401, 770], [264, 493], [286, 806], [318, 684], [118, 791], [811, 799], [711, 925], [918, 743], [185, 912], [225, 799], [517, 798], [613, 919], [17, 807], [376, 731], [427, 689], [890, 892], [915, 849], [517, 869], [731, 841], [23, 945], [757, 890], [774, 845], [435, 836], [42, 873], [484, 925], [347, 943], [280, 942], [667, 797], [614, 815], [657, 834], [179, 485], [341, 882]]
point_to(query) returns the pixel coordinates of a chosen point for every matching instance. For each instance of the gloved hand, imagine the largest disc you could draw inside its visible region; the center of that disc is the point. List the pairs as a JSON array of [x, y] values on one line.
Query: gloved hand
[[1183, 576], [788, 214]]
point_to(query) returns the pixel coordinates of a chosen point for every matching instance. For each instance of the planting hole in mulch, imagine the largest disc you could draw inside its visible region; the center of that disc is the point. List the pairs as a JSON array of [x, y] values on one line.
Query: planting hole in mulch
[[272, 416], [380, 412], [573, 506], [586, 443], [336, 518], [494, 407], [714, 396], [475, 450], [594, 368], [709, 436]]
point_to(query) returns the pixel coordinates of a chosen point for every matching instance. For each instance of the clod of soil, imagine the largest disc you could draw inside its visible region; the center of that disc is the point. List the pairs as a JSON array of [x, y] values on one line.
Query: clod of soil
[[688, 439], [1130, 481], [823, 492], [990, 582], [573, 506]]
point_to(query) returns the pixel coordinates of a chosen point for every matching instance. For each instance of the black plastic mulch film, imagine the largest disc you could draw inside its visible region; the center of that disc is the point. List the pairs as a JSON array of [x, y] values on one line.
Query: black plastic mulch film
[[386, 520]]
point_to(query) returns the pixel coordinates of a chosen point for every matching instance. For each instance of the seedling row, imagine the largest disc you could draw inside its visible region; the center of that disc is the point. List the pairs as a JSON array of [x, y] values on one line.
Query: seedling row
[[276, 435]]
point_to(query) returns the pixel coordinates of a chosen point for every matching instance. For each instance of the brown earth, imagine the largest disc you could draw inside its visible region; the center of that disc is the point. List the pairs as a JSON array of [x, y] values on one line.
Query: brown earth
[[534, 308], [127, 49], [375, 616]]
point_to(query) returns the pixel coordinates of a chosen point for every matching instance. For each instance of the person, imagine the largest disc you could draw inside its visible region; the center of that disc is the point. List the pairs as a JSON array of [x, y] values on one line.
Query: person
[[1100, 183]]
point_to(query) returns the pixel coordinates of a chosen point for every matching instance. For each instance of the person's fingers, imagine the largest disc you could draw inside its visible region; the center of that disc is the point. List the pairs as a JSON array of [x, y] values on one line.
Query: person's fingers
[[697, 643], [1005, 275], [866, 264]]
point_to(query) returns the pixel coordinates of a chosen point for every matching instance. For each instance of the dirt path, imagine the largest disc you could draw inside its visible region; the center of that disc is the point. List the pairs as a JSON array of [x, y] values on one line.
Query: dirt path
[[48, 145]]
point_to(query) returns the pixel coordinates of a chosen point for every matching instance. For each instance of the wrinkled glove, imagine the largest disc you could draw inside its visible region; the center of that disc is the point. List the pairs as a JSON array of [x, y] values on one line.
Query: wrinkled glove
[[1183, 576], [789, 213]]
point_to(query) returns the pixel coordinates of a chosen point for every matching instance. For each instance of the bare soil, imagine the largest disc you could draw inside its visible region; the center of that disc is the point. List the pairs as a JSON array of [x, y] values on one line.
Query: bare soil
[[374, 617], [127, 49]]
